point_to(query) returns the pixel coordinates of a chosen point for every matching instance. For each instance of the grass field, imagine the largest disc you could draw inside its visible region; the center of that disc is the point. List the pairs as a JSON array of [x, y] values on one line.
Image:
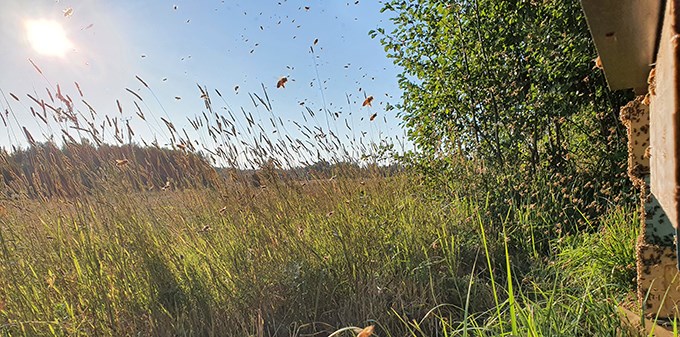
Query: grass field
[[132, 240], [298, 259]]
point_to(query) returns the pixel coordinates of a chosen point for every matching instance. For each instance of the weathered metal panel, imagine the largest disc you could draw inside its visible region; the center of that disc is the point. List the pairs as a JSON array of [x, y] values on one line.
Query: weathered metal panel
[[625, 34], [665, 117]]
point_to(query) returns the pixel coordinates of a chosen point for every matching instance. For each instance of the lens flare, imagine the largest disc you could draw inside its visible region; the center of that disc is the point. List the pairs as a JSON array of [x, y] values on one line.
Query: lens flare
[[47, 37]]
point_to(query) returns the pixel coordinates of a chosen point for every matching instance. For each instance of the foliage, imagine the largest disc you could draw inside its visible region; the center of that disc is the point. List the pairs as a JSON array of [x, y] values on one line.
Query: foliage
[[508, 90], [607, 256]]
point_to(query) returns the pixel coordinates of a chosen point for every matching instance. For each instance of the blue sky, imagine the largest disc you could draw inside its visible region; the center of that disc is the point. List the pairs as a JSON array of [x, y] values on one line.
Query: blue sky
[[173, 45]]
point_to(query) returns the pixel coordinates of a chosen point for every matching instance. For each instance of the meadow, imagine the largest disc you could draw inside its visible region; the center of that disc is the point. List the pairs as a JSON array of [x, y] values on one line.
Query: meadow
[[512, 215], [124, 239], [296, 259]]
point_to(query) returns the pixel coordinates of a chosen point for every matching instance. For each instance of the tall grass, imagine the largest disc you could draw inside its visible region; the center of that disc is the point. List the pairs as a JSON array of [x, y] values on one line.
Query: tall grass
[[294, 261], [286, 236]]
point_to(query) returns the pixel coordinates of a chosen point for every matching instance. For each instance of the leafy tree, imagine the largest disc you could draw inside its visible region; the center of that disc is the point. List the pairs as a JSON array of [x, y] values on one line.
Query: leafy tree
[[504, 94]]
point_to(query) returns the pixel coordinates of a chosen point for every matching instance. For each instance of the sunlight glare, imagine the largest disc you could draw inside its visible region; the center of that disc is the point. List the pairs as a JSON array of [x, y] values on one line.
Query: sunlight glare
[[47, 37]]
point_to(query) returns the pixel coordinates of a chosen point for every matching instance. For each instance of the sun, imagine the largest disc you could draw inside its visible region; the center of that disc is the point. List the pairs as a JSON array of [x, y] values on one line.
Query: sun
[[47, 37]]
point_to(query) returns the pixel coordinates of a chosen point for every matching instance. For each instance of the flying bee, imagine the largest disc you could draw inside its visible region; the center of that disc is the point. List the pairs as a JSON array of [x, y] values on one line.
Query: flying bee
[[368, 101], [598, 63], [282, 82], [367, 331]]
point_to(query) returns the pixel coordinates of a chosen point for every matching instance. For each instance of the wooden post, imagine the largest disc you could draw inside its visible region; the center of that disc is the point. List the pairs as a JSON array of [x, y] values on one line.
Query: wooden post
[[658, 277], [664, 119], [632, 40]]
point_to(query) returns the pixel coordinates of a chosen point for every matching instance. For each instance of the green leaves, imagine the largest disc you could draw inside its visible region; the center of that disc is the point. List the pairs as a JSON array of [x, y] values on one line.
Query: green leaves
[[503, 82]]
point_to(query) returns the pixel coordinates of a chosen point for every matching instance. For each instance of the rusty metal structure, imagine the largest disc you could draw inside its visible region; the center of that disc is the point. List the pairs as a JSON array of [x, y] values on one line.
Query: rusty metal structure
[[638, 43]]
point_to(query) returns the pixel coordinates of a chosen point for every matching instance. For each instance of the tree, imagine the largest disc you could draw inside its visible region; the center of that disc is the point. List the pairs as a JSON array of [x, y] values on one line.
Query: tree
[[509, 86]]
